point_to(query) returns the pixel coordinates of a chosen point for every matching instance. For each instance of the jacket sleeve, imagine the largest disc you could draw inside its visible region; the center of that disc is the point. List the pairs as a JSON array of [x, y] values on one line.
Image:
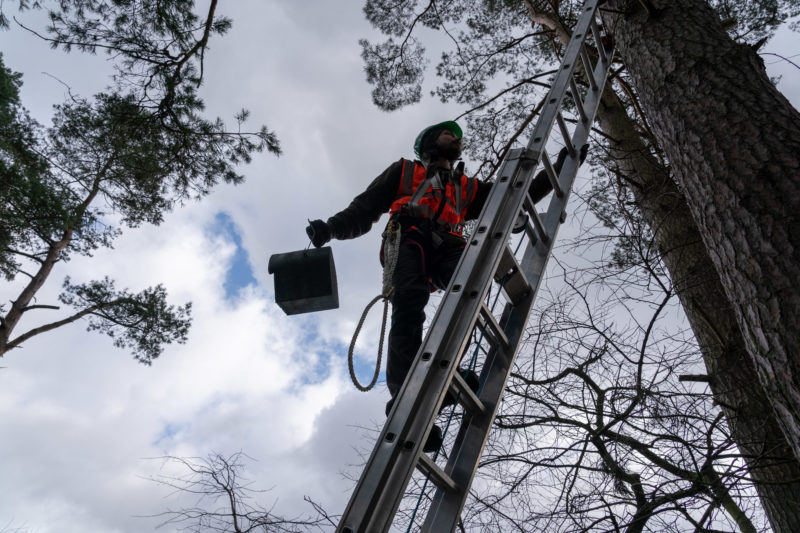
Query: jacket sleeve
[[367, 207], [538, 189], [474, 209], [541, 186]]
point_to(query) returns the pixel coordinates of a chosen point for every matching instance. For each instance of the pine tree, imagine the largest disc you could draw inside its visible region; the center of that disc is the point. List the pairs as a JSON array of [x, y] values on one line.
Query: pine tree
[[135, 151], [733, 141], [498, 41]]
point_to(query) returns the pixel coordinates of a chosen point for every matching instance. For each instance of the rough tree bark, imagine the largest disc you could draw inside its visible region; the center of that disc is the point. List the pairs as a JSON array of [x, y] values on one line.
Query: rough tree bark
[[774, 469], [753, 425], [734, 143]]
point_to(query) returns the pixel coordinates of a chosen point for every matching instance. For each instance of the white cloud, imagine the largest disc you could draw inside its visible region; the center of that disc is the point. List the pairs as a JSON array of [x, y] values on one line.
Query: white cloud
[[82, 418]]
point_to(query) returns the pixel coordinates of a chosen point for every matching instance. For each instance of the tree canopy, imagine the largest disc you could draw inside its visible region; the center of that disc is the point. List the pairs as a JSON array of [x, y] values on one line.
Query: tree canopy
[[123, 157], [497, 62]]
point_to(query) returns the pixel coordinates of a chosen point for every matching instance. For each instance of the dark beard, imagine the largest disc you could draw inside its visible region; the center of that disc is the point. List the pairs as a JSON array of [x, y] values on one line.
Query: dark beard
[[450, 152]]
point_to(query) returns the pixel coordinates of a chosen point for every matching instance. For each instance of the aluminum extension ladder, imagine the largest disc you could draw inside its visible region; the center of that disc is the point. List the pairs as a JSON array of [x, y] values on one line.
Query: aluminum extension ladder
[[486, 259]]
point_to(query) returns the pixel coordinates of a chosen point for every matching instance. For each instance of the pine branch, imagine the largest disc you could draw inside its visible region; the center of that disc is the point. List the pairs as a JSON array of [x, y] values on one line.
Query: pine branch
[[49, 327]]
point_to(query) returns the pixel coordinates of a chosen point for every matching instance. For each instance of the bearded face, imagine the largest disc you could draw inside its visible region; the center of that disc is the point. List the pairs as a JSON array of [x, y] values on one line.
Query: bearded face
[[448, 145]]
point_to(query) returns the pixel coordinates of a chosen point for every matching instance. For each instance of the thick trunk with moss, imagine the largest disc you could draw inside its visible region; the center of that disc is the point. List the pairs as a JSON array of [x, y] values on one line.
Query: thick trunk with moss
[[754, 426], [734, 143]]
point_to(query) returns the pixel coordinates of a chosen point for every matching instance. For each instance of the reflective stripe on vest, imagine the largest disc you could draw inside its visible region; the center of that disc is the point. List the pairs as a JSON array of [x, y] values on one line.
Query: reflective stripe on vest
[[457, 197]]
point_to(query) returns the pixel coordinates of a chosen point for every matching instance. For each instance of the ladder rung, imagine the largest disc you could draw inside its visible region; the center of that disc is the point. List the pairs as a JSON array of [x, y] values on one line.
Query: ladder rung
[[537, 221], [587, 65], [426, 465], [551, 174], [389, 470], [565, 134], [598, 40], [472, 404], [510, 277], [576, 96], [494, 329]]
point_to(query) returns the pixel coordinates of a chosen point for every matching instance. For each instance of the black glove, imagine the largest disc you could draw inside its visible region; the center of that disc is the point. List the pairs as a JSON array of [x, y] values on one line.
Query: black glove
[[319, 232], [562, 155]]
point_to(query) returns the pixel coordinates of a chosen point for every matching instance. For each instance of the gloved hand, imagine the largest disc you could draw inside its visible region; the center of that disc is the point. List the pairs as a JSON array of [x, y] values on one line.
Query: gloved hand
[[319, 232], [562, 155]]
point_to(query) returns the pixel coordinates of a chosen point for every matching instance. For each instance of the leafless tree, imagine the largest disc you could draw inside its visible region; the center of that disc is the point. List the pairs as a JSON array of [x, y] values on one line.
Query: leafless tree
[[501, 55], [225, 501], [608, 422]]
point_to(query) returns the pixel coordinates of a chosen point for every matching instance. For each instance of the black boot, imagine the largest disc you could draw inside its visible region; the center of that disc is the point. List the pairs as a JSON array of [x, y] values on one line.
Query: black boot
[[470, 377], [435, 438], [434, 441]]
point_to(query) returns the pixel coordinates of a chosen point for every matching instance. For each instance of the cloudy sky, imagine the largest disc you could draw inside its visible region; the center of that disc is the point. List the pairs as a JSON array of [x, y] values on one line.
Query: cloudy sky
[[80, 420]]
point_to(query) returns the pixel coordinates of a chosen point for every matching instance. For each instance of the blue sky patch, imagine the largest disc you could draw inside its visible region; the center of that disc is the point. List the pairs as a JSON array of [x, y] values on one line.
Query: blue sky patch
[[335, 353], [240, 272], [167, 433]]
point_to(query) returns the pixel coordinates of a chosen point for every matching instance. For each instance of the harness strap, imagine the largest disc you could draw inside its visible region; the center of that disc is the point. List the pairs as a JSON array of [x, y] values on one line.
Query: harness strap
[[459, 200], [419, 192], [459, 171], [433, 180]]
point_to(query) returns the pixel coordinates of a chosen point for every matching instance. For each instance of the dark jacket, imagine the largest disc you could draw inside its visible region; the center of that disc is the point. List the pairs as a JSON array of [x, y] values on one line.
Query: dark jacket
[[367, 207]]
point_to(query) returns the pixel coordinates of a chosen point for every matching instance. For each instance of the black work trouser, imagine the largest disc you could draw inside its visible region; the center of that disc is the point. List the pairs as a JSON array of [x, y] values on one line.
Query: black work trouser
[[419, 267]]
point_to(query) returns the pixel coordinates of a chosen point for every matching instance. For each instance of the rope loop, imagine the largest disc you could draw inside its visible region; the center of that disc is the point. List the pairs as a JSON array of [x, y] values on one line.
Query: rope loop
[[391, 249]]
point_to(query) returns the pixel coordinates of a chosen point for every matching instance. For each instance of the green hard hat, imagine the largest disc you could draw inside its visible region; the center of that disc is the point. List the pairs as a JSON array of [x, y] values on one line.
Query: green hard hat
[[450, 125]]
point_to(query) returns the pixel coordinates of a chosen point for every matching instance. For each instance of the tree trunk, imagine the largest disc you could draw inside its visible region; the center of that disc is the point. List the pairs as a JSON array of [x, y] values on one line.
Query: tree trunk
[[773, 468], [734, 143], [753, 425]]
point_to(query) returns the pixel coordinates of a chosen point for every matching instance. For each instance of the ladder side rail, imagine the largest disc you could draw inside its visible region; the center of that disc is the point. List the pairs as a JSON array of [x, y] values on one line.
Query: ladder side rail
[[473, 434], [449, 333], [376, 496], [563, 79], [471, 439], [518, 170], [384, 478], [533, 259], [446, 506]]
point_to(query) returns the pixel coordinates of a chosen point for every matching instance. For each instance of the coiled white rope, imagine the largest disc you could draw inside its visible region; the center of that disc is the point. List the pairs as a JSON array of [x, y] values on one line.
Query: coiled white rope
[[391, 248]]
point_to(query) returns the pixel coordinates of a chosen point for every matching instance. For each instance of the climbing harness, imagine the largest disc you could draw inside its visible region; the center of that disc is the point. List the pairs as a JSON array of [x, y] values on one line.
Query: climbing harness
[[391, 249]]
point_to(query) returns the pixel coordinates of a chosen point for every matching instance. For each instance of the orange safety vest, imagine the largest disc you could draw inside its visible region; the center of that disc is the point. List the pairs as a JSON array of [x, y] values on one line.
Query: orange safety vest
[[455, 208]]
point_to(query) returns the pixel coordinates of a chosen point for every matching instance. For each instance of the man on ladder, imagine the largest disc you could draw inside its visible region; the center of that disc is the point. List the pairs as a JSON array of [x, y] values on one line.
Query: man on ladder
[[430, 200]]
